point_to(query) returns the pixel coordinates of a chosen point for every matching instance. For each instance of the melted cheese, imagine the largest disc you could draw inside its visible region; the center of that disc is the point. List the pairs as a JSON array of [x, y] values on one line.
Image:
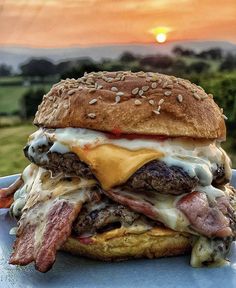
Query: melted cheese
[[210, 252], [113, 165], [40, 187], [113, 161]]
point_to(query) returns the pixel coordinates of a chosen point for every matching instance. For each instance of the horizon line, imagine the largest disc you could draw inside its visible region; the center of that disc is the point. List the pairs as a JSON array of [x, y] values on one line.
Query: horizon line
[[112, 44]]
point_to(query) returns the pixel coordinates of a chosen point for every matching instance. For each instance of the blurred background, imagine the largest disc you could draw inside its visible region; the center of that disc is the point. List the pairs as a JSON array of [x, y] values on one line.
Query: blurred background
[[43, 41]]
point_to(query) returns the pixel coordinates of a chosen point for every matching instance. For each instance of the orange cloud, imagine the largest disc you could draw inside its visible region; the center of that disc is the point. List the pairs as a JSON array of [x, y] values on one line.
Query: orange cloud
[[61, 23]]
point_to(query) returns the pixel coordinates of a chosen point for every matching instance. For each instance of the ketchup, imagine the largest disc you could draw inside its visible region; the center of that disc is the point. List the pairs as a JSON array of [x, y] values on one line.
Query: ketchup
[[117, 133]]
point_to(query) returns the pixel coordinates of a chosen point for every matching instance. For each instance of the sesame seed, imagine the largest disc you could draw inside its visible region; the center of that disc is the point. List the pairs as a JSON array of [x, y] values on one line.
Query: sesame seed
[[144, 97], [55, 105], [140, 92], [92, 115], [114, 89], [92, 90], [137, 102], [96, 85], [204, 96], [167, 93], [154, 78], [180, 98], [156, 112], [71, 92], [196, 96], [80, 88], [169, 86], [210, 95], [93, 101], [151, 102], [122, 78], [99, 87], [120, 93], [159, 81], [117, 99], [225, 117], [154, 85], [145, 88], [50, 98], [165, 85], [142, 74], [66, 106], [161, 101], [222, 110], [150, 74], [135, 91]]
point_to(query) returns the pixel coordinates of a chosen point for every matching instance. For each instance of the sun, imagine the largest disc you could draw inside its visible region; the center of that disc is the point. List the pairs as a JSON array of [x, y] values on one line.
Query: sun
[[161, 37], [160, 33]]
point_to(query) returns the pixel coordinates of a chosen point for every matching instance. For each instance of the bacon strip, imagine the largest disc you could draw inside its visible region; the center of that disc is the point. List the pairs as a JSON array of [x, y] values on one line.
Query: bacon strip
[[209, 221], [6, 202], [206, 220], [136, 205], [6, 194], [38, 239]]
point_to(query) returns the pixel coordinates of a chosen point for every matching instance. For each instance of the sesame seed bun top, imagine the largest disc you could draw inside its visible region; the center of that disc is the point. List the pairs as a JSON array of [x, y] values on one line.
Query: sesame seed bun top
[[133, 103]]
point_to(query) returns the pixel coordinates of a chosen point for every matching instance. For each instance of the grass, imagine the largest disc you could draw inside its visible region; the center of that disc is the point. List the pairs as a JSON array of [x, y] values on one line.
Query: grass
[[10, 96], [10, 80], [13, 139]]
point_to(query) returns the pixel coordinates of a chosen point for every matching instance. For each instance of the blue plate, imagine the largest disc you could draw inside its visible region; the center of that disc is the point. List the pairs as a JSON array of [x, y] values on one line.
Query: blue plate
[[71, 271]]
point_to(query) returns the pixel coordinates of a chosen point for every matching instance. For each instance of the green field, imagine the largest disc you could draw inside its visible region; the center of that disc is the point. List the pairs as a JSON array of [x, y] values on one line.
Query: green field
[[13, 139], [10, 96]]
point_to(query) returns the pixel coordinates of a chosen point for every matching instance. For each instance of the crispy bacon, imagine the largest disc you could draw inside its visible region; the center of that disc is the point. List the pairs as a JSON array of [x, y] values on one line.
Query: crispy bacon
[[209, 221], [6, 194], [6, 202], [39, 239]]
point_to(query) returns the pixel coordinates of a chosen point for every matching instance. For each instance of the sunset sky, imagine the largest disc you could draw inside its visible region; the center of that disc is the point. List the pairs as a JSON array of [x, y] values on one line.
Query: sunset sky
[[62, 23]]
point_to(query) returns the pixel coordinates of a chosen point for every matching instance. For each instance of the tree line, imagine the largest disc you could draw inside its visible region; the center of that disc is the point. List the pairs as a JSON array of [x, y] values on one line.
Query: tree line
[[213, 69], [175, 63]]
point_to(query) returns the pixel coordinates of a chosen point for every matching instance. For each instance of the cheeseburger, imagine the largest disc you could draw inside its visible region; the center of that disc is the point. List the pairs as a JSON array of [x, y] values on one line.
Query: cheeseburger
[[124, 165]]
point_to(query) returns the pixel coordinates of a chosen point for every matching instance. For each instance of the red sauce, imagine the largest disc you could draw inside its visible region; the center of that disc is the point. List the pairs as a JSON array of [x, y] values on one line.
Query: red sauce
[[117, 133], [87, 240]]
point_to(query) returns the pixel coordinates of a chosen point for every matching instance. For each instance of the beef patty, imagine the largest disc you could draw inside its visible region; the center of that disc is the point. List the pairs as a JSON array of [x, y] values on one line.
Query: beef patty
[[103, 215], [153, 176]]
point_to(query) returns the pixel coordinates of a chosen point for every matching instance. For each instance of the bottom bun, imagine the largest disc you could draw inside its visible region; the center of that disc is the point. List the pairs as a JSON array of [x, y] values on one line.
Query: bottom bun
[[124, 243]]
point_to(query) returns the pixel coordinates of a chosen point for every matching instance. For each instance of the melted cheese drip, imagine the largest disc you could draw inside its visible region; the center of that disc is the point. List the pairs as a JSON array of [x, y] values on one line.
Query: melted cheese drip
[[113, 165]]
